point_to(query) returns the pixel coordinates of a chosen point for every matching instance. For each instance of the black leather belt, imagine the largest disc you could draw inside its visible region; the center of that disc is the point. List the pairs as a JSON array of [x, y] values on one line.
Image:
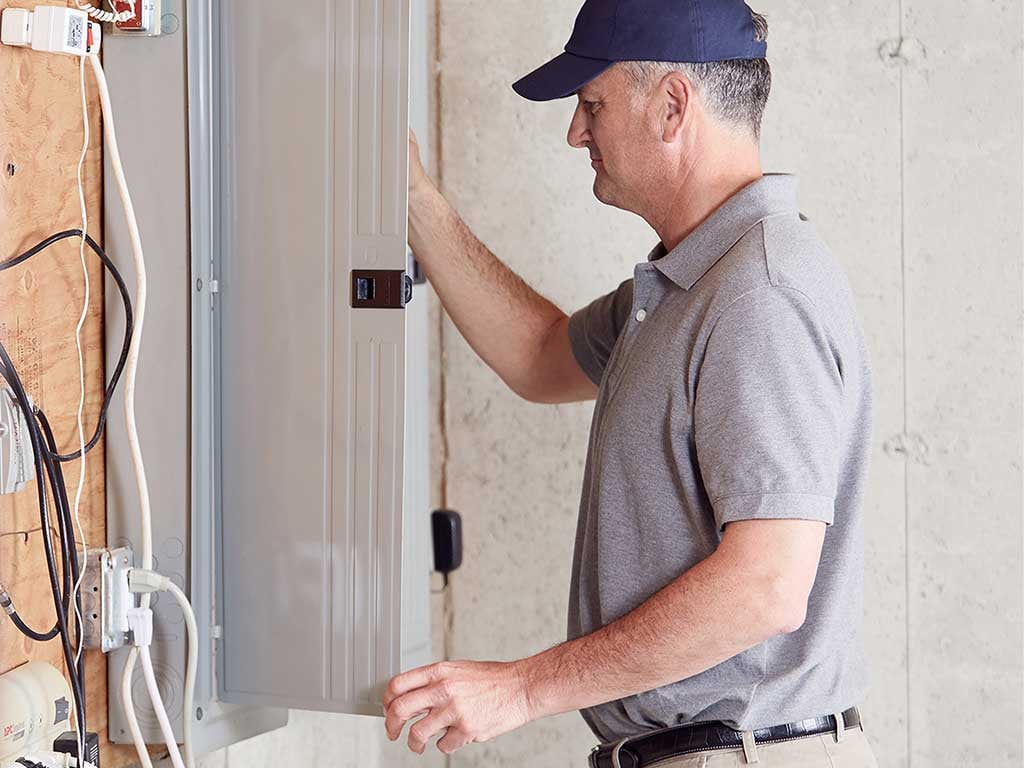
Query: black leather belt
[[648, 748]]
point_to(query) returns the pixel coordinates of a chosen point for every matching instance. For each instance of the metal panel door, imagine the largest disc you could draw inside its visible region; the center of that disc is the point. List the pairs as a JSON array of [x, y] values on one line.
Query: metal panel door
[[310, 175]]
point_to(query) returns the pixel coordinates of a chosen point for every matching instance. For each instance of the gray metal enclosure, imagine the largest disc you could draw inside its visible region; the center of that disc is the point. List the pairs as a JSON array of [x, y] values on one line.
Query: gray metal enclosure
[[290, 483], [310, 169]]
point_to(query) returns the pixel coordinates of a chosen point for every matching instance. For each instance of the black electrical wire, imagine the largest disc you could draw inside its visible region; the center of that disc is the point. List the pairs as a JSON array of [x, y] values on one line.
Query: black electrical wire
[[14, 381], [69, 555], [75, 678], [59, 494], [47, 461], [8, 605], [26, 630], [67, 527], [11, 375], [129, 324]]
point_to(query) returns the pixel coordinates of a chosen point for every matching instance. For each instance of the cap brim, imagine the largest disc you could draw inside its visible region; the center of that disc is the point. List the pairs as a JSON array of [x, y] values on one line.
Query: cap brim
[[560, 77]]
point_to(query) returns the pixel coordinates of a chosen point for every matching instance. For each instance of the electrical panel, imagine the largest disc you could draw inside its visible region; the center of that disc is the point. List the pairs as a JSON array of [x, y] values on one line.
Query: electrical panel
[[310, 179], [283, 415]]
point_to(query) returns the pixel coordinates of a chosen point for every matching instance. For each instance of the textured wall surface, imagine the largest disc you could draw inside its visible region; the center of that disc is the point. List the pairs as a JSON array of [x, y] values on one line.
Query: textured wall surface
[[515, 468], [903, 120]]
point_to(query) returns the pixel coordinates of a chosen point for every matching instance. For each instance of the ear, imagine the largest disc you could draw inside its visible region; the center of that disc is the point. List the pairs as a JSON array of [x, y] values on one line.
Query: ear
[[677, 92]]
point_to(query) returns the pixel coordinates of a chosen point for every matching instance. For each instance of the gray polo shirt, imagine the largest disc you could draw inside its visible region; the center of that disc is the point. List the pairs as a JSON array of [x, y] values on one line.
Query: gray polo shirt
[[734, 384]]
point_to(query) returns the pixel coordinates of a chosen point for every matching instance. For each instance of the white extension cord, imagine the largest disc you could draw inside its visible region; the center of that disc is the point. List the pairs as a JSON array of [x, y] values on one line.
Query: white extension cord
[[141, 581], [154, 582], [140, 621], [131, 370], [77, 589]]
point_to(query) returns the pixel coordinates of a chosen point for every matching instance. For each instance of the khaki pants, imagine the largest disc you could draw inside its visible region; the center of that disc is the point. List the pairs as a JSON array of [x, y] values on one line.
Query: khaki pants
[[849, 750]]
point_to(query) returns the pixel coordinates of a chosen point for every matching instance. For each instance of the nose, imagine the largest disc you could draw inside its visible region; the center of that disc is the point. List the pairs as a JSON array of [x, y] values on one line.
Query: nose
[[579, 131]]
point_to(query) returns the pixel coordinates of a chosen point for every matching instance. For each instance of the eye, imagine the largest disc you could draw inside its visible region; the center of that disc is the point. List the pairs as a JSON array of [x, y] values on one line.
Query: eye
[[592, 106]]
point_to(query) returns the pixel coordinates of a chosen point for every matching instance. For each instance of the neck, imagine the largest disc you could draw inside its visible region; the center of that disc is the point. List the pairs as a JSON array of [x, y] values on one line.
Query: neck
[[702, 185]]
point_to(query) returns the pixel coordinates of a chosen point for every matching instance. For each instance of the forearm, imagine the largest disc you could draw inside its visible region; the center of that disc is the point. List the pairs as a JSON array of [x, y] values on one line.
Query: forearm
[[501, 317], [709, 614]]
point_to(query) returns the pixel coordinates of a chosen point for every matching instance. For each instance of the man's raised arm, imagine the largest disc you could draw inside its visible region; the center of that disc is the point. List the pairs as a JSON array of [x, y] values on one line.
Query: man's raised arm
[[521, 335]]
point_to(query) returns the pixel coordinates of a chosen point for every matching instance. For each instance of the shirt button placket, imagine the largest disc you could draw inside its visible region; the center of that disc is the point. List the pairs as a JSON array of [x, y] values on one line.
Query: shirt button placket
[[641, 289]]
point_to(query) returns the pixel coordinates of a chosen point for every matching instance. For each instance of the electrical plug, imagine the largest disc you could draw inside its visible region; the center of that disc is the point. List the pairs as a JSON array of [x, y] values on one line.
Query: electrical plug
[[143, 581], [140, 622]]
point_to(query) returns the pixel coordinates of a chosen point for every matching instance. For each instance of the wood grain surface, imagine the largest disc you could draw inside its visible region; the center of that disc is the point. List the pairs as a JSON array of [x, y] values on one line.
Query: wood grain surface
[[40, 302]]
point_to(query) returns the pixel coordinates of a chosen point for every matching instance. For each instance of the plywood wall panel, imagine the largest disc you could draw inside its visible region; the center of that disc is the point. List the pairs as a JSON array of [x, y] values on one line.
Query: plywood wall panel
[[40, 302]]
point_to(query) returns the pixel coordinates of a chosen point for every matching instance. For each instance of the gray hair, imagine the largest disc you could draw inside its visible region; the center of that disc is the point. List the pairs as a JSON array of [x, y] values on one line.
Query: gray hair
[[735, 91]]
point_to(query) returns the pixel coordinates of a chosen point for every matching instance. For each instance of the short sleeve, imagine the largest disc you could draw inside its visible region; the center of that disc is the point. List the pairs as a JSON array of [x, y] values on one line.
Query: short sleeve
[[594, 330], [768, 411]]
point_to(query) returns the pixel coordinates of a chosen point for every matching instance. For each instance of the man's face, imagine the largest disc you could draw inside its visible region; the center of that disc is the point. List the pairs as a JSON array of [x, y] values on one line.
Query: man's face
[[622, 139]]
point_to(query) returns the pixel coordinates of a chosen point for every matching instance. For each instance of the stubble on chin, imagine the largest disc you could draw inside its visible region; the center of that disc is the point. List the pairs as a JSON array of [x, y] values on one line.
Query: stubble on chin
[[603, 193]]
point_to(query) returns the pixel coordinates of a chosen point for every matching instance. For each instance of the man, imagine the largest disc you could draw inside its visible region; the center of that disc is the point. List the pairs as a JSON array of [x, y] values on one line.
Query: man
[[716, 599]]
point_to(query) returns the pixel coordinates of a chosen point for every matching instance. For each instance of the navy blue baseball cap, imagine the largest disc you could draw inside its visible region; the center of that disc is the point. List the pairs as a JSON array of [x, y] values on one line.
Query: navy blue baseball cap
[[607, 31]]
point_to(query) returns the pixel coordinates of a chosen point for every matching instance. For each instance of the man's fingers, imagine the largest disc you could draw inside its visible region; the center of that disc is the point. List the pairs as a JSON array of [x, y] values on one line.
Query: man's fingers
[[406, 707], [423, 730], [393, 724], [408, 681], [454, 739]]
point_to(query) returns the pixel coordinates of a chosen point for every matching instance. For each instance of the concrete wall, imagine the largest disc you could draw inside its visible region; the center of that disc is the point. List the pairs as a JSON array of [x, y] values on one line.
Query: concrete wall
[[910, 159]]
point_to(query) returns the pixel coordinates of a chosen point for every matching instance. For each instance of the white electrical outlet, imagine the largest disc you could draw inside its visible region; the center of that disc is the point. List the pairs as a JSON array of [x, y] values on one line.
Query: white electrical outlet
[[17, 466], [106, 598]]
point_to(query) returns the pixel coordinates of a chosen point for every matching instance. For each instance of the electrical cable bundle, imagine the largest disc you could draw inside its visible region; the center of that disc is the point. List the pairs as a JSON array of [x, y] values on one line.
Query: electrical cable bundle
[[48, 462]]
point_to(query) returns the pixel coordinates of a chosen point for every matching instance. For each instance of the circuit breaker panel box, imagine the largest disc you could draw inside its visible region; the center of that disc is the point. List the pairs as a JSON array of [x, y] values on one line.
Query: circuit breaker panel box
[[311, 164], [278, 357]]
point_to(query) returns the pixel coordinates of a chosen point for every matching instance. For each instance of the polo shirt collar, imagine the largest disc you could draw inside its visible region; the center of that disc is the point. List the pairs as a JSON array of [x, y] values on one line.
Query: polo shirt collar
[[770, 195]]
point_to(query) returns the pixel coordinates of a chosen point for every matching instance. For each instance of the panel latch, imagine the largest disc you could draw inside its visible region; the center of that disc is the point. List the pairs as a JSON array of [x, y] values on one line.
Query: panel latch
[[380, 289]]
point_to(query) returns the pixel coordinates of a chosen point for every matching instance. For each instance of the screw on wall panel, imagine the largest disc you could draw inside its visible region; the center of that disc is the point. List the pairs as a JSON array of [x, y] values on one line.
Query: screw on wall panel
[[199, 284], [169, 24], [199, 713], [911, 447], [902, 51], [11, 169]]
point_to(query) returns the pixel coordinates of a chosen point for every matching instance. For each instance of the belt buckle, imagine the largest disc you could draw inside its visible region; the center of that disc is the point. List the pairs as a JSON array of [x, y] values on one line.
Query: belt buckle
[[615, 752]]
